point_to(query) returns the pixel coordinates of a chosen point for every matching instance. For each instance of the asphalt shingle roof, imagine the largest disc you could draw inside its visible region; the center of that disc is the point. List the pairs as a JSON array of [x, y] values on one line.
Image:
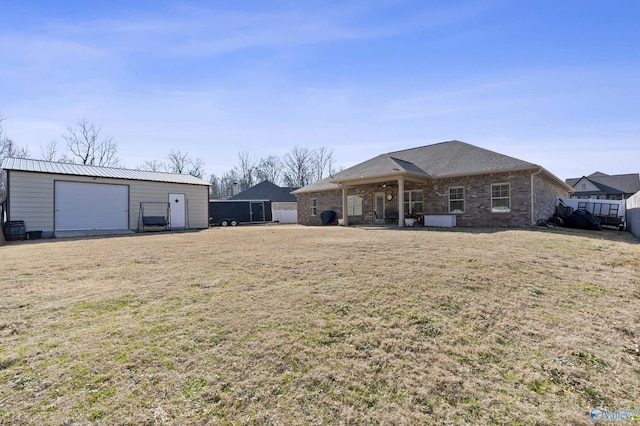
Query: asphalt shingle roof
[[267, 191], [445, 159], [453, 158], [611, 184]]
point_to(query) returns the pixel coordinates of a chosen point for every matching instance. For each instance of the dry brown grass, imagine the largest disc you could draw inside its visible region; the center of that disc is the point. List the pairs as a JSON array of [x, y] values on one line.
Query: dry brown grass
[[320, 325]]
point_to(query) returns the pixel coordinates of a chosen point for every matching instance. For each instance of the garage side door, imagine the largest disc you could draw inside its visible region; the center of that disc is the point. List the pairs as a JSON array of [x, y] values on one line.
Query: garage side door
[[81, 206]]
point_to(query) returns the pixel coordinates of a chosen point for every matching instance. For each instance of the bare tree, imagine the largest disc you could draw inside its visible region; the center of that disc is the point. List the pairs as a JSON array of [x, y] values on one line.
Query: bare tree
[[246, 170], [227, 181], [270, 169], [50, 152], [181, 163], [8, 149], [88, 147], [322, 162], [196, 168], [153, 166], [178, 162], [297, 166], [215, 191]]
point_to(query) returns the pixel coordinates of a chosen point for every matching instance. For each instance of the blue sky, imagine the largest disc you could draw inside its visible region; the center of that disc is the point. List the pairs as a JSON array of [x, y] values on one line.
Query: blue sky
[[555, 83]]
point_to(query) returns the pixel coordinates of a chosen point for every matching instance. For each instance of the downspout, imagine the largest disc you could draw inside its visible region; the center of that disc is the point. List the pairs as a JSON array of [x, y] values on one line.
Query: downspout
[[533, 220], [345, 213]]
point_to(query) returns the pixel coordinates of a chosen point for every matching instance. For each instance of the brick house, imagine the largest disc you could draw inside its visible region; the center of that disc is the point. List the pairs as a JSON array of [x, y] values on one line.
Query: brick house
[[453, 182]]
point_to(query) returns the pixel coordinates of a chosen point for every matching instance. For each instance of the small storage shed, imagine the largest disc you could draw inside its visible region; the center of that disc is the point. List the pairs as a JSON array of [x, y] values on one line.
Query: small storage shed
[[58, 198], [284, 204]]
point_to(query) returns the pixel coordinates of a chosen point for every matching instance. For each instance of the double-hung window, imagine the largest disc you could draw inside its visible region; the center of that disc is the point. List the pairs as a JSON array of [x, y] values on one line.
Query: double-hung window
[[500, 198], [313, 207], [412, 201], [456, 200], [354, 205]]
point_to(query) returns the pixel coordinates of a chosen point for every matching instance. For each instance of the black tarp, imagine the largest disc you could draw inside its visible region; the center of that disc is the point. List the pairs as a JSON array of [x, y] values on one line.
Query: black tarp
[[328, 217], [582, 219]]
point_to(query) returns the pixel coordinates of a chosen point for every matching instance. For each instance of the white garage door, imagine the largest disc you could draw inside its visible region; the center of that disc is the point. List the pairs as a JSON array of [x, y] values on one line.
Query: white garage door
[[82, 206], [285, 216]]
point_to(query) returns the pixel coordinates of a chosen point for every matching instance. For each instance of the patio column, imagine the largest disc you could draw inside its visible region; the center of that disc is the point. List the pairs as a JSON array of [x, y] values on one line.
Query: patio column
[[345, 215], [401, 202]]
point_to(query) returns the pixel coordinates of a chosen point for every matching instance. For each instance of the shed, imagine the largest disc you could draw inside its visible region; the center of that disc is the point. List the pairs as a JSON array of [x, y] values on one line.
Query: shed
[[62, 198], [284, 204]]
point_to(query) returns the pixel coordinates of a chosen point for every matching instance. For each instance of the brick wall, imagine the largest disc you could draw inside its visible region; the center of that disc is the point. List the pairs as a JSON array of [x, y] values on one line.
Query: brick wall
[[332, 200], [477, 200], [477, 203], [329, 200], [546, 194]]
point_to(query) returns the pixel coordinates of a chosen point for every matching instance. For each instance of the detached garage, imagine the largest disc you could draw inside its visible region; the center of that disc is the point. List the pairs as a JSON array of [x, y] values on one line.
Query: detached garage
[[59, 198]]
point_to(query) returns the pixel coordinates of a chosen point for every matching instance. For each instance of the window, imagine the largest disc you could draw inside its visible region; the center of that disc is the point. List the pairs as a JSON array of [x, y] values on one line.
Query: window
[[456, 200], [314, 207], [412, 201], [584, 187], [354, 205], [500, 198]]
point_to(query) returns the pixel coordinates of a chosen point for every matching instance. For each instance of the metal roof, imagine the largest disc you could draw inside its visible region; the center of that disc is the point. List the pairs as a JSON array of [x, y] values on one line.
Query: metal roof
[[41, 166]]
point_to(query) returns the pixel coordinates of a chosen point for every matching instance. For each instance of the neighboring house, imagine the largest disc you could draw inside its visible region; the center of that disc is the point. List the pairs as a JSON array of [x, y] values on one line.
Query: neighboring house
[[59, 197], [605, 187], [450, 182], [283, 203]]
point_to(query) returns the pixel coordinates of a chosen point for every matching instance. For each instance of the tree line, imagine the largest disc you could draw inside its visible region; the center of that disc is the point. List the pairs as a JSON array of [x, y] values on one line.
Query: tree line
[[299, 167], [85, 143]]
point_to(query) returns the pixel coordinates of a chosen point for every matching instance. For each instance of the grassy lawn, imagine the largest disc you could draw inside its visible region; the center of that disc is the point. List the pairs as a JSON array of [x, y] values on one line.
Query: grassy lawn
[[320, 325]]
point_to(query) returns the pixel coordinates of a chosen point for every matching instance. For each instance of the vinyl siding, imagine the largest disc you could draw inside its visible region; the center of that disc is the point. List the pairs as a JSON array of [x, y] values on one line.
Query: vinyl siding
[[31, 200], [590, 186], [196, 197]]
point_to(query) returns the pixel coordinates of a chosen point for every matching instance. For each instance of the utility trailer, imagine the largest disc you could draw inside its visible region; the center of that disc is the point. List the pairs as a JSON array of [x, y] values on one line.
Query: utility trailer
[[235, 212], [609, 212]]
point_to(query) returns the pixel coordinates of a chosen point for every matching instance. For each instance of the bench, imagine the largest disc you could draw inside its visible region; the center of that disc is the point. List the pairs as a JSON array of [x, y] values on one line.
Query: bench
[[154, 221]]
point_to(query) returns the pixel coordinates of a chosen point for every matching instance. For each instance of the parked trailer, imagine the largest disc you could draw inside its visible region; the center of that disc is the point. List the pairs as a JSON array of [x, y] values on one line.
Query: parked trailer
[[609, 212], [235, 212]]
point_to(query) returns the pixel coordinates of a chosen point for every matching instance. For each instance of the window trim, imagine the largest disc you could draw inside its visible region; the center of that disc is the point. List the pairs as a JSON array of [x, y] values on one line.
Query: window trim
[[410, 203], [508, 198], [313, 205], [352, 207], [456, 211]]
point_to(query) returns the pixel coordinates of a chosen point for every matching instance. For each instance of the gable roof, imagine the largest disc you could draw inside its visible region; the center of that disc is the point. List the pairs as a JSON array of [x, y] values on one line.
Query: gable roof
[[445, 159], [609, 184], [267, 191], [41, 166]]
